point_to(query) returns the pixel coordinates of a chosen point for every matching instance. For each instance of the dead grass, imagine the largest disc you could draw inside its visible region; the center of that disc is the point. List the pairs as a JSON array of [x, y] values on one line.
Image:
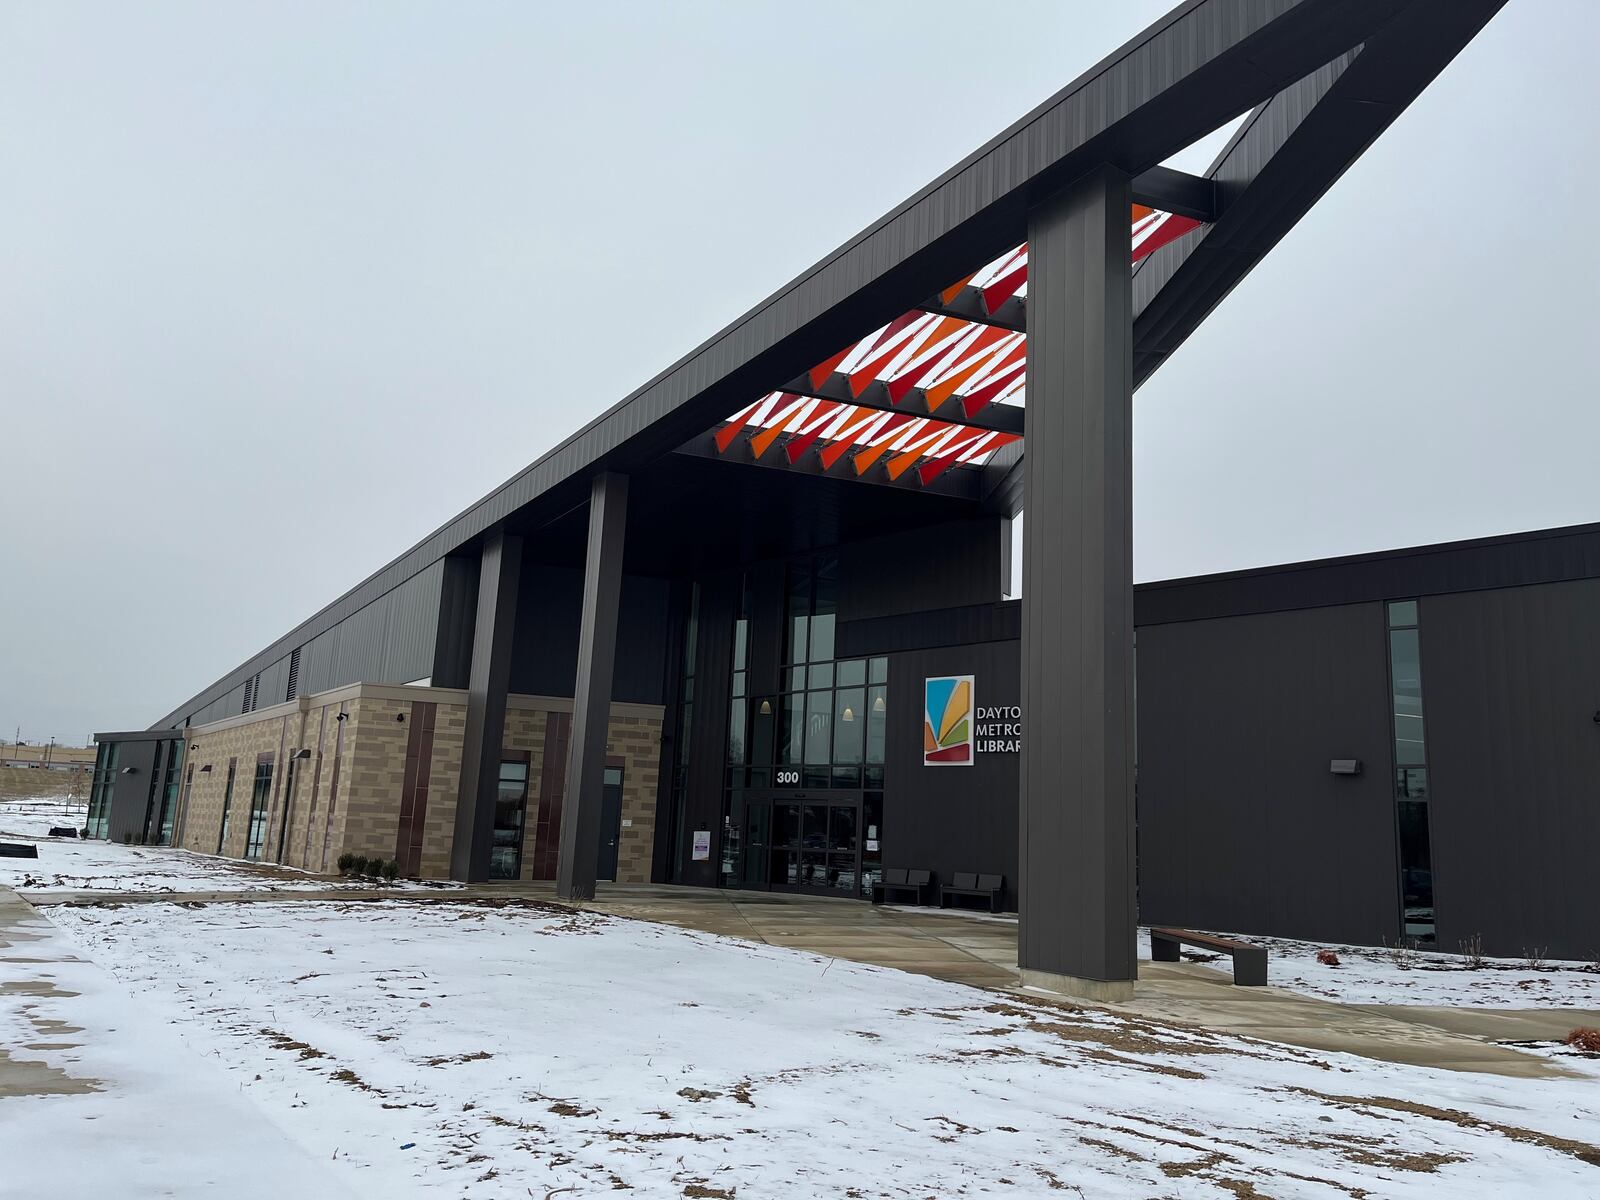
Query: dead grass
[[1582, 1151]]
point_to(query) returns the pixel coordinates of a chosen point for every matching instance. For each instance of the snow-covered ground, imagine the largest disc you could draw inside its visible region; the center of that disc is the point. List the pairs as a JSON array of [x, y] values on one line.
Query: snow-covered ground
[[35, 816], [1366, 975], [66, 863], [496, 1050]]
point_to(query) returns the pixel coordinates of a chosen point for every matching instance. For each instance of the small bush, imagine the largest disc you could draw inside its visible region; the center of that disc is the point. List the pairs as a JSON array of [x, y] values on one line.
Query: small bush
[[1327, 958], [390, 870], [1472, 952], [374, 868], [1585, 1038], [1534, 958], [358, 864], [346, 862], [127, 839]]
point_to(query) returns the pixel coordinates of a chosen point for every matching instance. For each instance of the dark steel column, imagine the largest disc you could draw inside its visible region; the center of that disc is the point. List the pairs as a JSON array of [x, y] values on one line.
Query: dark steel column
[[499, 573], [1076, 891], [591, 701]]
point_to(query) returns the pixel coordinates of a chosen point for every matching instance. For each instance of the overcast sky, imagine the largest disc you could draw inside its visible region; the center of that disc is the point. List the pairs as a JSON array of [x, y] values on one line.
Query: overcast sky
[[284, 286]]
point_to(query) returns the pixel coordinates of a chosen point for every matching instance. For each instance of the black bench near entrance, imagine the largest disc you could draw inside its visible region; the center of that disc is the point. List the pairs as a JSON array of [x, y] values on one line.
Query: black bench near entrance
[[970, 883], [900, 879], [1249, 962], [18, 850]]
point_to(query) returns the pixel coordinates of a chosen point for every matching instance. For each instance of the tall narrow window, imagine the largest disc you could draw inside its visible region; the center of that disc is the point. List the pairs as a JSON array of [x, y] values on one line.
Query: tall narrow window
[[1410, 771], [260, 798], [510, 812], [227, 804]]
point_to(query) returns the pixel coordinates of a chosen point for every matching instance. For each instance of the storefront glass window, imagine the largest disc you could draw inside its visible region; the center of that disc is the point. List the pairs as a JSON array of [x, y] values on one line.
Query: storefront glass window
[[1410, 772]]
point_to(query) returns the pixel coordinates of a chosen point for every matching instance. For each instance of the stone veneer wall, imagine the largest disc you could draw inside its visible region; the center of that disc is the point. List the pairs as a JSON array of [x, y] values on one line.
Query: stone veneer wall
[[347, 795]]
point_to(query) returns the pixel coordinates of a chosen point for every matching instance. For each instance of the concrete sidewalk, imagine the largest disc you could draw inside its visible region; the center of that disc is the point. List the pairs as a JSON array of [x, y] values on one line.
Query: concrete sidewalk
[[981, 950]]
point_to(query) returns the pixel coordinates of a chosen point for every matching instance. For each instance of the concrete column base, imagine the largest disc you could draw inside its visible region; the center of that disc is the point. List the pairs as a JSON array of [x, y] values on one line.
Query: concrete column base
[[1106, 991]]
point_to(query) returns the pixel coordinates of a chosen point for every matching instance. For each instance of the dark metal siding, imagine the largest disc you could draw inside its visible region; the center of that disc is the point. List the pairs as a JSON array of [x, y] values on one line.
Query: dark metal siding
[[939, 566], [130, 795], [1241, 825], [544, 656], [1511, 688], [1545, 556], [949, 819]]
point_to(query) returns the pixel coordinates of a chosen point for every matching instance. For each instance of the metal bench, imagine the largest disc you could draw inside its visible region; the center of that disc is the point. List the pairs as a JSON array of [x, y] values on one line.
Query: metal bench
[[1249, 962], [900, 879], [983, 887], [18, 850]]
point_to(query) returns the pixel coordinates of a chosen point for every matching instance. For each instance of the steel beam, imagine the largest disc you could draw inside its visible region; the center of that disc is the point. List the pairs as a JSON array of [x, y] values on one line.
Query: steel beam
[[591, 702], [489, 679], [1177, 192], [1075, 891]]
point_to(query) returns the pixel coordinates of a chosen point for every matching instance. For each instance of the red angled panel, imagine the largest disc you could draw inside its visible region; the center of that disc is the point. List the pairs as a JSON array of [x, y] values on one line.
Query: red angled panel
[[937, 342], [1170, 230], [978, 399], [728, 432], [1002, 289], [821, 417], [819, 373]]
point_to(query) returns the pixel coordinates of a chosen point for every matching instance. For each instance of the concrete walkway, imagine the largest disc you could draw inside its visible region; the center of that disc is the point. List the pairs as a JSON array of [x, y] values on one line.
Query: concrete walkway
[[981, 951]]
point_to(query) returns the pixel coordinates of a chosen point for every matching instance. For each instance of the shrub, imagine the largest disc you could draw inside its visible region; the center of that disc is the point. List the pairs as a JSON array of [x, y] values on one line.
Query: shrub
[[1327, 958], [346, 862], [390, 870], [1585, 1038], [127, 839], [358, 864], [1534, 959], [1472, 952]]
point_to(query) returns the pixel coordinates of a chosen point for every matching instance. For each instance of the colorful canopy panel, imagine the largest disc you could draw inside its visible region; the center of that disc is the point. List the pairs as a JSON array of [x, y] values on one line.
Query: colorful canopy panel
[[917, 396]]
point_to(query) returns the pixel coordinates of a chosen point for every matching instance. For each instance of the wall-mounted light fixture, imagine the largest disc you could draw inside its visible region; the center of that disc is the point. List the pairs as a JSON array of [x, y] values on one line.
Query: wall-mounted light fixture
[[766, 709], [130, 770], [849, 714], [303, 752], [877, 705], [206, 770], [1344, 766], [401, 717], [341, 716]]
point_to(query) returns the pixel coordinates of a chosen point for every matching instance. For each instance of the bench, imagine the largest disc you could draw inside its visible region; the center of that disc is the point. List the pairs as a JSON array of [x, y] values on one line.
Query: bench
[[18, 850], [900, 879], [984, 887], [63, 831], [1249, 962]]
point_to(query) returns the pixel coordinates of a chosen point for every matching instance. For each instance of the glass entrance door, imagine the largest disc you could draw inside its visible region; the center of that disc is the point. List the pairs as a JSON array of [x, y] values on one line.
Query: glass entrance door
[[814, 846]]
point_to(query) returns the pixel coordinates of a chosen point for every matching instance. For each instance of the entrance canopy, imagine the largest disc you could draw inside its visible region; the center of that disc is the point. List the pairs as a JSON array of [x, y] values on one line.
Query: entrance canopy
[[939, 387]]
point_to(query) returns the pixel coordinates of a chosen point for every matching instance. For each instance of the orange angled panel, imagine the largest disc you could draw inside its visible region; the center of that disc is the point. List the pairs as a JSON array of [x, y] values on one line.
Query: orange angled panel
[[973, 357], [902, 383], [883, 353], [873, 453], [975, 401], [762, 442], [937, 432], [821, 417], [954, 290], [861, 421], [1140, 212], [819, 373]]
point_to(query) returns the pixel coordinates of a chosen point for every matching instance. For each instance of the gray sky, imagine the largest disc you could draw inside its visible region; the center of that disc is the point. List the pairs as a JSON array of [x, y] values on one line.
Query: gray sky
[[269, 271]]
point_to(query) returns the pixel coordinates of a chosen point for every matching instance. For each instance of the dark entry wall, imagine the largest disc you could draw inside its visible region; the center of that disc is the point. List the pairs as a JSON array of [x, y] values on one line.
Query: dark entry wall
[[1242, 826], [544, 652], [949, 819], [1511, 697]]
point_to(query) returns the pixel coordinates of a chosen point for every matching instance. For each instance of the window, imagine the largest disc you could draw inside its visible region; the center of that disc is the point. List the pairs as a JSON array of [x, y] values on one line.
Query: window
[[1410, 771], [260, 798], [227, 804], [101, 789], [169, 793], [510, 811]]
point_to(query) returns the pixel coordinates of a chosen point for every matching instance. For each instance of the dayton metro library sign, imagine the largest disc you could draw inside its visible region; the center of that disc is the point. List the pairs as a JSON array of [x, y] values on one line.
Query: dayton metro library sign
[[955, 730]]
